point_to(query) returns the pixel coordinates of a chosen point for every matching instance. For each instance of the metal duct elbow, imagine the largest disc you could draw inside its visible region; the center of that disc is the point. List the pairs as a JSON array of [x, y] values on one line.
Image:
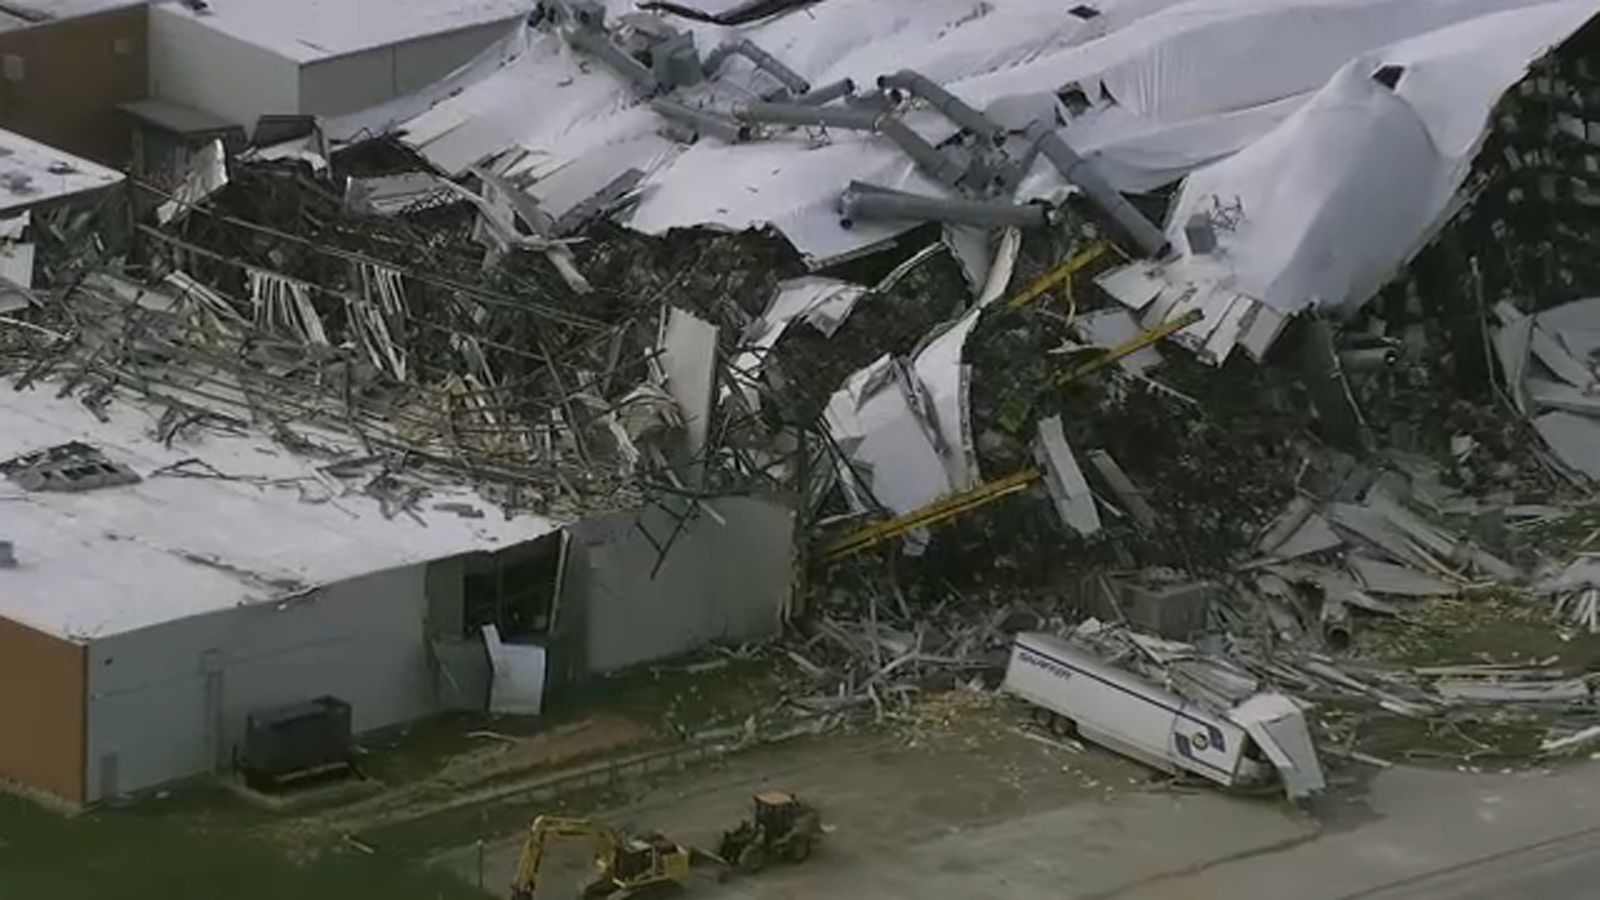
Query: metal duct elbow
[[844, 87], [1368, 359], [759, 58], [599, 44], [954, 108], [927, 157], [868, 203], [701, 122], [814, 116], [1086, 177]]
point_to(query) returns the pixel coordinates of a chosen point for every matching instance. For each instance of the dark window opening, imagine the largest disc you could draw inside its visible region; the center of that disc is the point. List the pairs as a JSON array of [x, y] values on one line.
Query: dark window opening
[[516, 590], [1389, 76], [1084, 12]]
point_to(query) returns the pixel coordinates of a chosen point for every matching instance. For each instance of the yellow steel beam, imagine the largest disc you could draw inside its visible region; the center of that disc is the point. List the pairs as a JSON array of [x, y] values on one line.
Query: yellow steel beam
[[1059, 275], [1127, 348], [939, 511], [1014, 410]]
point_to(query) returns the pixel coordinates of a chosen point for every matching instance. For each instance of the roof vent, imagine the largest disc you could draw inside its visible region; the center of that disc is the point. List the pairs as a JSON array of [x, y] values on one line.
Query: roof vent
[[1389, 76], [67, 468]]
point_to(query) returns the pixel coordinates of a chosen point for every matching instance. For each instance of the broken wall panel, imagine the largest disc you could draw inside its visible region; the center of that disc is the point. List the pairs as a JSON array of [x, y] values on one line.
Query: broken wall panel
[[654, 583], [879, 421], [1068, 487], [689, 361], [517, 675]]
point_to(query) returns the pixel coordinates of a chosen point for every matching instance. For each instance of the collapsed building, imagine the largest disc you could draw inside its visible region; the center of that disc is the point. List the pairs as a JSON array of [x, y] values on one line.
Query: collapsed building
[[1000, 316]]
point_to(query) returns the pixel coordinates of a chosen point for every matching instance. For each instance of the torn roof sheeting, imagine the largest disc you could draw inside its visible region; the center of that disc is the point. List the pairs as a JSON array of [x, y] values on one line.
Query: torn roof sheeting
[[881, 421], [1177, 100], [1325, 208]]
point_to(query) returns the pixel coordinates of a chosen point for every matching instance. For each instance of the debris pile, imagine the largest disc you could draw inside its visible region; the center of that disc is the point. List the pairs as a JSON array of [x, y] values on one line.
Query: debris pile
[[628, 268]]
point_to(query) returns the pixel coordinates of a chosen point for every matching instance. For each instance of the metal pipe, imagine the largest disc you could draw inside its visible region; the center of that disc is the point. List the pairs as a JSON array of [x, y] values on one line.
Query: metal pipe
[[598, 43], [1368, 359], [928, 158], [954, 108], [1018, 171], [1337, 628], [844, 87], [701, 122], [873, 204], [1082, 173], [758, 57], [815, 116]]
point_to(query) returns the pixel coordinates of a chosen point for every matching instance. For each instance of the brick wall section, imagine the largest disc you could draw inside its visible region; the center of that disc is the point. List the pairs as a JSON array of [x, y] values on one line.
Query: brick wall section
[[61, 81], [42, 709]]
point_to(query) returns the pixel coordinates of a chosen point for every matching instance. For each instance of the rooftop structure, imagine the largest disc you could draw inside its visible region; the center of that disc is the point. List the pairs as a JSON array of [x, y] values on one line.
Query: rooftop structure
[[33, 173], [243, 59], [34, 11], [226, 521], [312, 30]]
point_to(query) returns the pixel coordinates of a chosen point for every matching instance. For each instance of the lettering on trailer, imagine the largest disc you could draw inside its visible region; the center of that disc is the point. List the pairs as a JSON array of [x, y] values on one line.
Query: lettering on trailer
[[1031, 658]]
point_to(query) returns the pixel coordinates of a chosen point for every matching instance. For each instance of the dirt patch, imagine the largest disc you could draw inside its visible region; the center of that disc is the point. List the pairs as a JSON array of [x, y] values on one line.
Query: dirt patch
[[500, 758], [1479, 628], [1483, 627]]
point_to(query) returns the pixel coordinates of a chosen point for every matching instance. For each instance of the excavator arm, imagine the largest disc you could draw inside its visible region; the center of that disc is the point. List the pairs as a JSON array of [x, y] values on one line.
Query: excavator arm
[[541, 832]]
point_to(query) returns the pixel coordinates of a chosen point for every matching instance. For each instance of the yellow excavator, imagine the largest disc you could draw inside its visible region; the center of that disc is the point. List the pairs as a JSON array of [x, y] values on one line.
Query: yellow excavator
[[626, 865]]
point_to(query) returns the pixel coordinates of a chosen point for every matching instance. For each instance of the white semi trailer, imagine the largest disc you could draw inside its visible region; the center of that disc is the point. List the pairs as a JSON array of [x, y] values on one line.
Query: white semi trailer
[[1262, 739]]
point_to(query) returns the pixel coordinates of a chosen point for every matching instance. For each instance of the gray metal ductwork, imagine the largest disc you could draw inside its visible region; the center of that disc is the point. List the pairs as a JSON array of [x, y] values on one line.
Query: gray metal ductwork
[[761, 59], [597, 43], [844, 87], [587, 13], [815, 116], [701, 122], [866, 202], [928, 158], [954, 108], [1014, 173], [1082, 173], [675, 62]]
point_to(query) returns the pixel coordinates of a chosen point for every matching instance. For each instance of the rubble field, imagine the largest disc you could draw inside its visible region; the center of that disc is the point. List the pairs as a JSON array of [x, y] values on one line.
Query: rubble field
[[1376, 500]]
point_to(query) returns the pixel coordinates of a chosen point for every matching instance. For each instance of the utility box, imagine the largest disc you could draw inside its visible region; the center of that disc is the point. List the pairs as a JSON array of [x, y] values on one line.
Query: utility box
[[1174, 610], [285, 743]]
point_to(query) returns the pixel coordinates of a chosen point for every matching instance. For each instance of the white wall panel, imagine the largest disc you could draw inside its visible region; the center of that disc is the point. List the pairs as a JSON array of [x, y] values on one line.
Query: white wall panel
[[208, 70]]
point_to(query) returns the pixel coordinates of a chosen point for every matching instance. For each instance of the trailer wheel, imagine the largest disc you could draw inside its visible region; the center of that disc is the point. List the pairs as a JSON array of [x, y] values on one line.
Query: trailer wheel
[[1063, 727], [1041, 717]]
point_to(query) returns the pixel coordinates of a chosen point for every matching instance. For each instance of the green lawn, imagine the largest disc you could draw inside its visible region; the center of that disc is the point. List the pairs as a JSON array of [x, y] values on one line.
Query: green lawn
[[201, 848]]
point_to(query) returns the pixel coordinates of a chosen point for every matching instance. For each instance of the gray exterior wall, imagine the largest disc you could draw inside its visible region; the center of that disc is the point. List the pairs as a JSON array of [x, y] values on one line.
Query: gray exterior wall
[[170, 701], [718, 583], [350, 83], [208, 70]]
